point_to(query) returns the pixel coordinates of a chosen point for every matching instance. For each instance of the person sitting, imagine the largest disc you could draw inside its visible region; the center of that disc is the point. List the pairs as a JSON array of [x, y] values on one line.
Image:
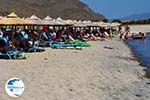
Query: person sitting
[[120, 30], [126, 37], [143, 35], [133, 34], [54, 36], [1, 33], [3, 45], [93, 37]]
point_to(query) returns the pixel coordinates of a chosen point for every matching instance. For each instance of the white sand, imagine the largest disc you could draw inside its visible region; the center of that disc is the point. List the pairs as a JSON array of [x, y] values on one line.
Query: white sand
[[89, 74], [140, 28]]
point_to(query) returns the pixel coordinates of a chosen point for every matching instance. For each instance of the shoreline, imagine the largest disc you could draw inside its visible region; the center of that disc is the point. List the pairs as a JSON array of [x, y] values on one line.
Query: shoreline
[[141, 62], [134, 54], [140, 28]]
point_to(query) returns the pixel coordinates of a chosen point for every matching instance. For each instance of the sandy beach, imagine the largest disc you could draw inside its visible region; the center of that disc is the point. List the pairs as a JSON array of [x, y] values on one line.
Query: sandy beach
[[93, 73], [140, 28]]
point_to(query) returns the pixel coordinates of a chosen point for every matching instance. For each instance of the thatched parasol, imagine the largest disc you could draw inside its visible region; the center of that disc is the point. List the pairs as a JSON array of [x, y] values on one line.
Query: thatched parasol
[[115, 24], [1, 17], [48, 21], [103, 24], [79, 24], [34, 20], [13, 19], [91, 24], [61, 22], [48, 18]]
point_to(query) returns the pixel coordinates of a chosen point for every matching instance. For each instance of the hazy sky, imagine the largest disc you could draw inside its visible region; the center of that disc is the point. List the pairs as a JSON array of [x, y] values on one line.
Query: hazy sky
[[119, 8]]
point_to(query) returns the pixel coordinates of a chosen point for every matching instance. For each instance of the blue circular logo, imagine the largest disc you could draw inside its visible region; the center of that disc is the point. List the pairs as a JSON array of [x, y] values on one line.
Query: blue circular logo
[[14, 87]]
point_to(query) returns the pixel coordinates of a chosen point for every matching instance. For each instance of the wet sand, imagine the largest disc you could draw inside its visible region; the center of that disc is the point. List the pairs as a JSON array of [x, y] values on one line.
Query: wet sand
[[93, 73]]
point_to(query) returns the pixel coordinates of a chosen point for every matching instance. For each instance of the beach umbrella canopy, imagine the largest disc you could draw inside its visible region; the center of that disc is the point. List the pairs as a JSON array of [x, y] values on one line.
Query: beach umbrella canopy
[[34, 20], [13, 19], [48, 21], [69, 22], [48, 18], [115, 24], [102, 24], [33, 17], [79, 24], [61, 22], [92, 24], [59, 19], [1, 17]]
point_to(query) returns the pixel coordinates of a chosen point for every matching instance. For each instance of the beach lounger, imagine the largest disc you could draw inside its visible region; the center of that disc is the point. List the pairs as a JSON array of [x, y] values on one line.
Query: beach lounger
[[7, 52], [36, 49], [55, 46], [13, 55], [78, 42], [71, 43], [83, 44]]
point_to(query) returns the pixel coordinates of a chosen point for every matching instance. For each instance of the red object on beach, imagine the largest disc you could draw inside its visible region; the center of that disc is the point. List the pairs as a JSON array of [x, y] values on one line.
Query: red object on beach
[[45, 28]]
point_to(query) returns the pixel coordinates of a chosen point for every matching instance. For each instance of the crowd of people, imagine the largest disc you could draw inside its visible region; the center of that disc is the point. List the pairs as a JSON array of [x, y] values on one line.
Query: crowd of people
[[61, 34], [125, 33], [24, 39]]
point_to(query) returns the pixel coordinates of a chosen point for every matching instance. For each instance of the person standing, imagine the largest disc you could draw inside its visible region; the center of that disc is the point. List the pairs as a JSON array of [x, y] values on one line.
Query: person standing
[[126, 36], [121, 35], [120, 30], [127, 29], [1, 33]]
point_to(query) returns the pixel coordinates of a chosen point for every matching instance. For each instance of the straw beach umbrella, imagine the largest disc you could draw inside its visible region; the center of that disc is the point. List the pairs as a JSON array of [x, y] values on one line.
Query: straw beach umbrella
[[48, 18], [59, 22], [1, 17], [115, 24], [69, 22], [102, 24], [48, 21], [59, 19], [13, 19], [79, 24], [34, 20]]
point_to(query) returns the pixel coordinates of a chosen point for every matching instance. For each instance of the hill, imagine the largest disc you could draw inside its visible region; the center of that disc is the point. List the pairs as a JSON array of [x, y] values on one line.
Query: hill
[[67, 9], [137, 16]]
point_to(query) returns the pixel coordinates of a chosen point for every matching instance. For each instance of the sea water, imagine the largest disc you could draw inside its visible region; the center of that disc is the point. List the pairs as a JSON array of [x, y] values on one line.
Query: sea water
[[142, 49]]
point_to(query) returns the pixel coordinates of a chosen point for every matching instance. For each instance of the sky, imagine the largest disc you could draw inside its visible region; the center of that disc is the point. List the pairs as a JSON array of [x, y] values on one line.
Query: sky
[[114, 9]]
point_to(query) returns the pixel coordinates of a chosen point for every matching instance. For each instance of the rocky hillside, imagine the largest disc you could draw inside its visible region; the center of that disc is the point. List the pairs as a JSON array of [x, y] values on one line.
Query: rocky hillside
[[72, 9]]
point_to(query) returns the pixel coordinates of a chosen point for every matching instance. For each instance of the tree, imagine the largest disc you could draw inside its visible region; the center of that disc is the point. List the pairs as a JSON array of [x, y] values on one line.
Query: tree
[[105, 20], [116, 20]]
